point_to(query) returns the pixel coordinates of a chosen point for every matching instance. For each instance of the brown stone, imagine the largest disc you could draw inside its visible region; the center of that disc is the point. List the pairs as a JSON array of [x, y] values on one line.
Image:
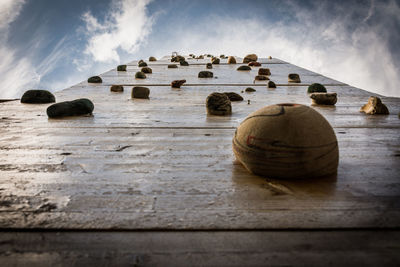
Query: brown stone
[[117, 88], [294, 78], [231, 60], [172, 66], [209, 66], [233, 96], [121, 68], [243, 68], [152, 59], [177, 59], [142, 64], [218, 104], [261, 78], [288, 141], [205, 74], [249, 90], [140, 92], [264, 71], [254, 64], [250, 58], [324, 98], [271, 84], [374, 107], [215, 61], [177, 83], [140, 75], [146, 70]]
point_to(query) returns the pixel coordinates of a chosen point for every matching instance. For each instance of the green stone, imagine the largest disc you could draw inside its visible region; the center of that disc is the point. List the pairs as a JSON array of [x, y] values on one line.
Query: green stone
[[95, 79], [121, 68], [316, 88], [140, 75]]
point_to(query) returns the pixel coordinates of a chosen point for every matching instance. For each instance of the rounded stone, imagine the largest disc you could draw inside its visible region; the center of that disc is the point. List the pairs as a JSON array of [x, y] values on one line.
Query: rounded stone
[[261, 78], [222, 56], [375, 106], [146, 70], [172, 66], [140, 75], [152, 59], [233, 96], [121, 68], [218, 104], [294, 78], [243, 68], [288, 141], [142, 64], [76, 107], [250, 58], [231, 60], [140, 92], [264, 71], [254, 64], [177, 59], [323, 98], [215, 61], [37, 97], [205, 74], [250, 89], [316, 88], [177, 83], [209, 66], [183, 63], [271, 84], [117, 88], [95, 79]]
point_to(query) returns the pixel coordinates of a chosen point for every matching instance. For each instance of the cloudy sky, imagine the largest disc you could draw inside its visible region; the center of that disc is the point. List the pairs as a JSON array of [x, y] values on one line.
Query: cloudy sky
[[55, 44]]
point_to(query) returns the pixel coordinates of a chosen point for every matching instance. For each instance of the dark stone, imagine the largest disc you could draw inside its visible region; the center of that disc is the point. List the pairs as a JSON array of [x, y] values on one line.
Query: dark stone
[[218, 104], [233, 96], [264, 71], [152, 59], [140, 92], [183, 63], [316, 88], [209, 66], [140, 75], [261, 78], [177, 59], [76, 107], [250, 58], [172, 66], [231, 60], [142, 64], [249, 89], [215, 61], [95, 79], [209, 55], [323, 98], [140, 61], [205, 74], [243, 68], [146, 70], [121, 68], [294, 78], [38, 97], [254, 64], [271, 84], [177, 83], [222, 56], [117, 88]]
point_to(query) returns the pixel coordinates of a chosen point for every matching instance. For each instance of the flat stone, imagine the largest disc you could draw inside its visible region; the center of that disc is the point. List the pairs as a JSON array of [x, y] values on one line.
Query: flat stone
[[152, 59], [231, 60], [205, 74], [140, 92], [324, 98], [233, 96], [177, 83], [172, 66], [146, 70], [121, 68], [294, 78], [76, 107], [209, 66], [254, 64], [316, 88], [264, 71], [95, 79], [218, 104], [261, 78], [250, 58], [271, 84], [243, 68], [37, 97], [140, 75], [375, 107], [117, 88], [250, 89]]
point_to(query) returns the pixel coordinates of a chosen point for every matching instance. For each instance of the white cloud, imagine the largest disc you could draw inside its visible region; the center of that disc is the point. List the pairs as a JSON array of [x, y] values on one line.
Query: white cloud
[[125, 27]]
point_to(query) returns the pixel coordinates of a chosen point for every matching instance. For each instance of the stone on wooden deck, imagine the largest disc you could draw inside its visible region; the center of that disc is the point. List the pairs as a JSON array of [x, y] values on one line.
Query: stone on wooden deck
[[76, 107], [218, 104], [375, 106], [38, 97], [324, 98], [95, 79], [140, 92]]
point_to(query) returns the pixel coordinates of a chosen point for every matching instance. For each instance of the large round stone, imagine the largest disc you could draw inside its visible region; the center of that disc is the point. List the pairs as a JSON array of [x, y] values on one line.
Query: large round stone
[[287, 141], [38, 97], [76, 107]]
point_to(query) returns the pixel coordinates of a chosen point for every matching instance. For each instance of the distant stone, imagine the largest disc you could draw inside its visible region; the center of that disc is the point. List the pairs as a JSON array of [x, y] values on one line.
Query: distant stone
[[215, 61], [233, 96], [146, 70], [183, 63], [231, 60], [117, 88], [222, 56], [95, 79], [140, 92], [250, 58], [218, 104], [249, 90], [294, 78], [38, 97], [316, 88], [243, 68], [76, 107], [264, 71], [324, 98], [140, 61], [209, 66], [200, 57], [254, 64], [205, 74], [375, 107], [152, 59], [209, 55], [172, 66], [261, 78], [140, 75], [269, 57], [177, 83], [271, 84], [142, 64], [177, 59], [121, 68]]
